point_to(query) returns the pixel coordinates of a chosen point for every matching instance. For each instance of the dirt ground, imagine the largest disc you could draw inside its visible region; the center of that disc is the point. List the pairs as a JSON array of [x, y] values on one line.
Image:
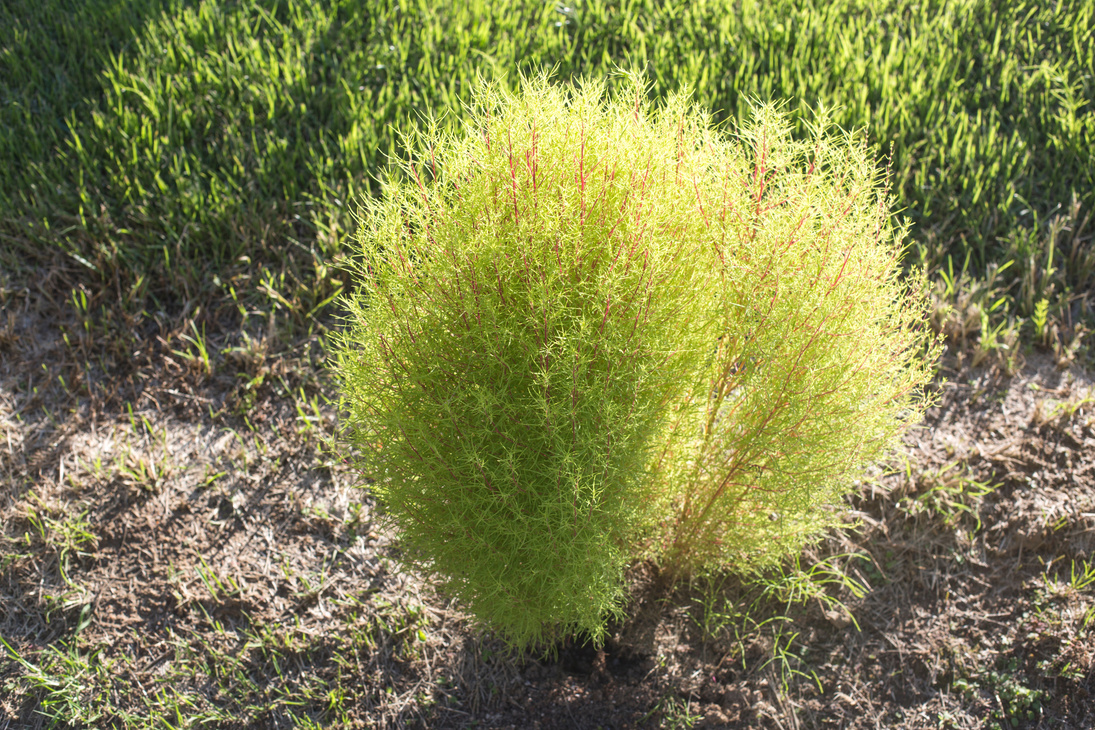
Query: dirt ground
[[176, 541]]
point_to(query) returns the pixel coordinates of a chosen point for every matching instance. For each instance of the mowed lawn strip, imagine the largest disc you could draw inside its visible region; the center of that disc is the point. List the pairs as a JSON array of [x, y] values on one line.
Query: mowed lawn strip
[[165, 139]]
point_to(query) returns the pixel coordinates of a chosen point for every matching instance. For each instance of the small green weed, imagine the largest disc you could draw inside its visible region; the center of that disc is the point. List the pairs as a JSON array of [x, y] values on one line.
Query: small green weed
[[761, 615], [73, 687], [1081, 576], [794, 585], [221, 589], [673, 713], [198, 358], [69, 537], [1012, 701], [950, 492], [1059, 414]]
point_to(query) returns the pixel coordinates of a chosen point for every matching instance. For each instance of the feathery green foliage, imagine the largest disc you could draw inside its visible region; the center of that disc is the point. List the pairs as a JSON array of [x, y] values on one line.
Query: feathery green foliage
[[530, 377], [822, 353], [533, 290]]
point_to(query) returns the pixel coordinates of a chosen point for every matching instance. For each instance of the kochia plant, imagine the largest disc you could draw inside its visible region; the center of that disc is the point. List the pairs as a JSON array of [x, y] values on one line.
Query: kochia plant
[[822, 353], [591, 331]]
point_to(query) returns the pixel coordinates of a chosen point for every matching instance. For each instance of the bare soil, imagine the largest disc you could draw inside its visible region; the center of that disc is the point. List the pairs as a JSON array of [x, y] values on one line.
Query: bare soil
[[186, 541]]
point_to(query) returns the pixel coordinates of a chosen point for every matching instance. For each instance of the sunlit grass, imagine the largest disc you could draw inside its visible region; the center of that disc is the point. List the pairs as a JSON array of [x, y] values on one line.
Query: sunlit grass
[[167, 140]]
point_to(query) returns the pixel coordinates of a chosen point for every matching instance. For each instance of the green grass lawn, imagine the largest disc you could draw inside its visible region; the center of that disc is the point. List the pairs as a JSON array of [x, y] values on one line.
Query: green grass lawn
[[158, 141]]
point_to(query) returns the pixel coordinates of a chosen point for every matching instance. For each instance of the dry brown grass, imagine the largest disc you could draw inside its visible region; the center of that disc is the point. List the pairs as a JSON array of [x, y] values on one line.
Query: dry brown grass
[[178, 547]]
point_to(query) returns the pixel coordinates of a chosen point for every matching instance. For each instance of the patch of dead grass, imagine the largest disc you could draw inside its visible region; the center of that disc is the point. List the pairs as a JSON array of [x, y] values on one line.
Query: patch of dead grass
[[179, 541]]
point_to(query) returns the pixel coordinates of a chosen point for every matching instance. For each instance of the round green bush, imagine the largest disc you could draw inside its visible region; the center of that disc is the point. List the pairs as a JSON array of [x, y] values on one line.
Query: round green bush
[[590, 331], [822, 357]]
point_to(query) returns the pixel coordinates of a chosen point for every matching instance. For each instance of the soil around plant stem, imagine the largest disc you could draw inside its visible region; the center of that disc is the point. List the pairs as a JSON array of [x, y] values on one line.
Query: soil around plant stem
[[187, 534]]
